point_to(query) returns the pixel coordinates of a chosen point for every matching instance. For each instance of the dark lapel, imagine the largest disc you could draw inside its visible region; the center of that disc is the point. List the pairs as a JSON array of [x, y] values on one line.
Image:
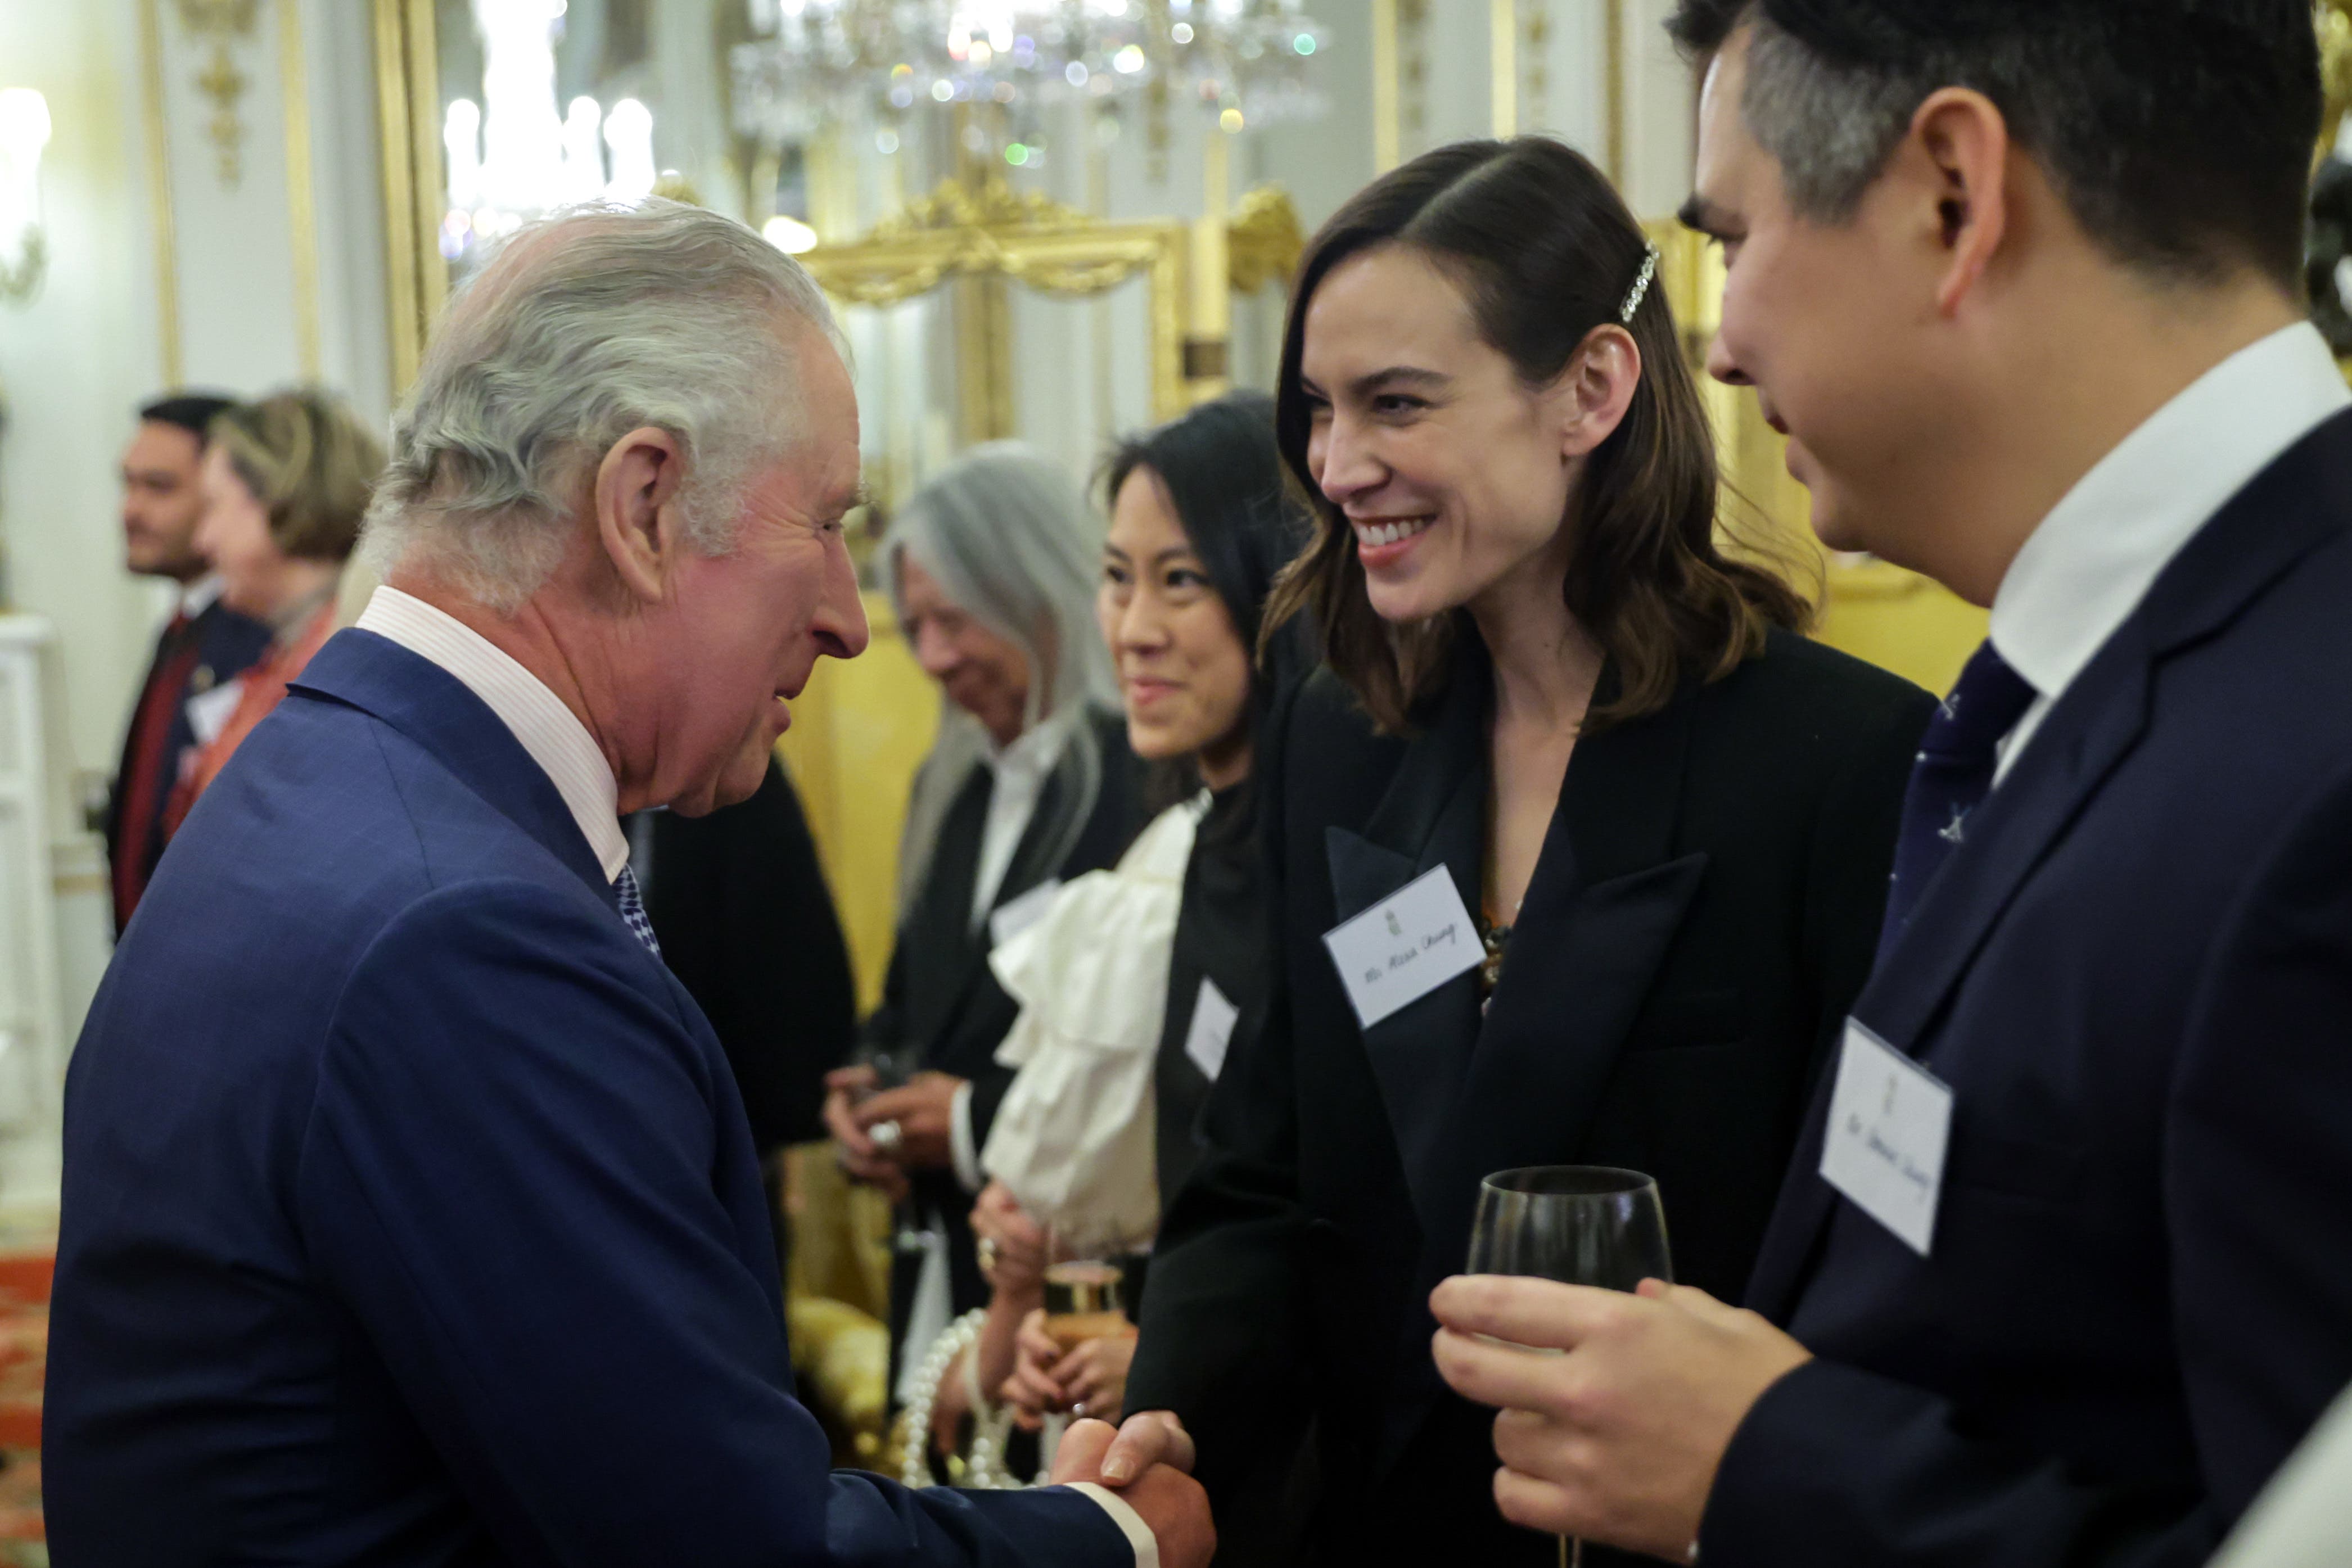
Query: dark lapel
[[1468, 1095], [1603, 905], [435, 709], [1433, 814], [2288, 510]]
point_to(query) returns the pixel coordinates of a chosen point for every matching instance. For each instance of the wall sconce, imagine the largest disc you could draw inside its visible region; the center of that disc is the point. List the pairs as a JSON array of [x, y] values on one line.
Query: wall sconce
[[24, 248]]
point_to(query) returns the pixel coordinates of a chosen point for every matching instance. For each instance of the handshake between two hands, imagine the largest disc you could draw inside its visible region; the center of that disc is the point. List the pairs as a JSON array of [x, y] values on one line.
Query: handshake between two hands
[[1149, 1462]]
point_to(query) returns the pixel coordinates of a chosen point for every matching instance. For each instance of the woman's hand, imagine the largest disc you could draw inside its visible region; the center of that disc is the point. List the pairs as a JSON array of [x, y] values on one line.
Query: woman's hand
[[1031, 1390], [1088, 1381], [1012, 1244], [1094, 1376], [950, 1407], [855, 1153]]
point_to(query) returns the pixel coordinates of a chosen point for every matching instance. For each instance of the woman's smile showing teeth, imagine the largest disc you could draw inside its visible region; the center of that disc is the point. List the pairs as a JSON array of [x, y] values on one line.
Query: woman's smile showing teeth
[[1382, 540]]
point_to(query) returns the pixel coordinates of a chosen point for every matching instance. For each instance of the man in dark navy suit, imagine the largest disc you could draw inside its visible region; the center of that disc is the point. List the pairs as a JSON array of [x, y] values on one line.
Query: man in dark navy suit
[[203, 646], [411, 1213], [2063, 1268]]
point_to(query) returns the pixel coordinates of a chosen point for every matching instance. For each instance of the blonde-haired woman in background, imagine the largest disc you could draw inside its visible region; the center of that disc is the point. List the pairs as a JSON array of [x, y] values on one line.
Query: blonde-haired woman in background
[[284, 483]]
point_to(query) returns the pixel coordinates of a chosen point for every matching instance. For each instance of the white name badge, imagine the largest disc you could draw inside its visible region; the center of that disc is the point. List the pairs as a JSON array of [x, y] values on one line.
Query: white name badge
[[208, 715], [1890, 1120], [1213, 1029], [1010, 920], [1401, 949]]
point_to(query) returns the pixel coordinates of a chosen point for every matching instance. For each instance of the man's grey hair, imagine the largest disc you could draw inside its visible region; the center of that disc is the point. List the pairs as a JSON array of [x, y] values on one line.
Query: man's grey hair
[[1007, 534], [2177, 133], [1831, 129], [580, 328]]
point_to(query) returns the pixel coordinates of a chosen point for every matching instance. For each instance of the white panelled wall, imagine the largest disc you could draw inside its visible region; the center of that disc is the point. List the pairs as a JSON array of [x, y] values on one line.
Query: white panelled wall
[[187, 279]]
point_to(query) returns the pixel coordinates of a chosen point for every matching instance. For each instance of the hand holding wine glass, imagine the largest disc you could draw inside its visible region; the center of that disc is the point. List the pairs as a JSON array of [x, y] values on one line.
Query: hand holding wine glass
[[1581, 1225], [1616, 1433]]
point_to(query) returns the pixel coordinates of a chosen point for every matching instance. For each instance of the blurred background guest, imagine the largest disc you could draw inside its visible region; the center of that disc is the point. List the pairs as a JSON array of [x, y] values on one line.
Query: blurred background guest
[[1554, 696], [993, 565], [204, 644], [1199, 528], [739, 899], [286, 482]]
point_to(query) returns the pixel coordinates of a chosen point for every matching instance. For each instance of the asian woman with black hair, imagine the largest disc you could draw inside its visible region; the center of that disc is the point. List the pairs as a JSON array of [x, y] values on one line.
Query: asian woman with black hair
[[1175, 935]]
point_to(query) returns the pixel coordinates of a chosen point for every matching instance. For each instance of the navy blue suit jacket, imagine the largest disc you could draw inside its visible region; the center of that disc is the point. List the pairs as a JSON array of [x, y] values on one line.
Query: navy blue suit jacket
[[411, 1215], [2137, 978]]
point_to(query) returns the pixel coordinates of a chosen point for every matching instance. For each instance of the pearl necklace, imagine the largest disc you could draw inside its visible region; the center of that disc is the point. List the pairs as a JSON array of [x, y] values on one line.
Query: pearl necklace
[[990, 1426]]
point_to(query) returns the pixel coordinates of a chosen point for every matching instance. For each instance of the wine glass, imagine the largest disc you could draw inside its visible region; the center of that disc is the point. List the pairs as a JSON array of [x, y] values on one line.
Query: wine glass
[[1581, 1225], [1085, 1296]]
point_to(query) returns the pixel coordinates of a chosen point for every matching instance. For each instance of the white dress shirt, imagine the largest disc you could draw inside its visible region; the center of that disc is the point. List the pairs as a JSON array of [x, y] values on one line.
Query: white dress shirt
[[2094, 557], [2303, 1517], [563, 746], [549, 731], [199, 596], [1021, 771]]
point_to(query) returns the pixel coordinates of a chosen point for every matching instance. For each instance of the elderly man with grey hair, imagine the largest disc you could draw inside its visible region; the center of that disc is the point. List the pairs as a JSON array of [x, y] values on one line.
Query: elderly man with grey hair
[[410, 1215]]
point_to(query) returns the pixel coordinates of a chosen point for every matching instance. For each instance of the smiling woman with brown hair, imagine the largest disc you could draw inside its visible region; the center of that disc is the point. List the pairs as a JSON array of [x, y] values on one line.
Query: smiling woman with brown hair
[[1557, 709]]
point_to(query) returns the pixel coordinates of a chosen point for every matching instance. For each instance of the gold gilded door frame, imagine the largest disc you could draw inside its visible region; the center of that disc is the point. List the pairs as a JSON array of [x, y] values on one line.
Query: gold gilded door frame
[[408, 120]]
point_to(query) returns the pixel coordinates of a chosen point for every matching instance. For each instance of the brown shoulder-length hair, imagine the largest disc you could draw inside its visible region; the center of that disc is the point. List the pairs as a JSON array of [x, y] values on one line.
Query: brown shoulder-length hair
[[1543, 251]]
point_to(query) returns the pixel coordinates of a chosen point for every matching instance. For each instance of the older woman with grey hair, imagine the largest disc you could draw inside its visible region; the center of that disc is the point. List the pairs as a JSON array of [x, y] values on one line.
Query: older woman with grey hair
[[992, 567]]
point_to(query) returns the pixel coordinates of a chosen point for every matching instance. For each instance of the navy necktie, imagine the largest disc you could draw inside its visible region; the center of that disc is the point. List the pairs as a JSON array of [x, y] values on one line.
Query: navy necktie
[[1951, 777], [633, 910]]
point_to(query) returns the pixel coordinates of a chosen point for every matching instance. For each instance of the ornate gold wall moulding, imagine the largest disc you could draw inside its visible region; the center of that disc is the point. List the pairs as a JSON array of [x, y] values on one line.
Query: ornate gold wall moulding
[[222, 25], [2334, 20], [995, 231], [1264, 241]]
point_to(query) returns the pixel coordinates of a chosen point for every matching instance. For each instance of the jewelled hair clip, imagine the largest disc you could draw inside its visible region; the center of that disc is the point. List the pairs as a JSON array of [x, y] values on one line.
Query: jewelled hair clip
[[1642, 281]]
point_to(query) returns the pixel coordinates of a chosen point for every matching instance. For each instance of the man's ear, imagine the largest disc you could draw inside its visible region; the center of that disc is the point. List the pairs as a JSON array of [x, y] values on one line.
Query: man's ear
[[1596, 389], [1964, 142], [635, 494]]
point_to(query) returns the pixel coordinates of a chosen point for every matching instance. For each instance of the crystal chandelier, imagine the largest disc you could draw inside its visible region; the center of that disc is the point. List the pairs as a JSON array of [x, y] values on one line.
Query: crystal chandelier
[[513, 156], [831, 62]]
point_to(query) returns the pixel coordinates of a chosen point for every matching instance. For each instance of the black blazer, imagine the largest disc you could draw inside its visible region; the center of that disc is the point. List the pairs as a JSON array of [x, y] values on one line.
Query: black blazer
[[739, 902], [226, 644], [941, 1007], [2137, 978], [1703, 910], [1223, 936]]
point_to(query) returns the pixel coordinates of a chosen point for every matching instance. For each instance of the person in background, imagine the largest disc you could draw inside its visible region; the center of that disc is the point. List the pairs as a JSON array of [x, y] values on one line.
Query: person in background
[[736, 898], [286, 484], [204, 644], [992, 566], [1570, 755], [2063, 1269], [1201, 526]]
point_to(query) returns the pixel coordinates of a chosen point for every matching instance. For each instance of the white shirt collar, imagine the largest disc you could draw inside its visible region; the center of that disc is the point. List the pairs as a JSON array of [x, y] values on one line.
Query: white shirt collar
[[2094, 557], [1032, 753], [549, 731], [199, 596]]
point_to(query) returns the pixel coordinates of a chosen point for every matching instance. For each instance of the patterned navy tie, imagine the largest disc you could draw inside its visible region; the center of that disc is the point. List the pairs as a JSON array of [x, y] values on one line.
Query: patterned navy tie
[[633, 910], [1951, 777]]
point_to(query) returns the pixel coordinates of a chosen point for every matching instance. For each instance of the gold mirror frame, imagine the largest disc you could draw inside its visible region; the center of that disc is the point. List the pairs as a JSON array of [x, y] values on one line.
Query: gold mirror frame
[[995, 233]]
